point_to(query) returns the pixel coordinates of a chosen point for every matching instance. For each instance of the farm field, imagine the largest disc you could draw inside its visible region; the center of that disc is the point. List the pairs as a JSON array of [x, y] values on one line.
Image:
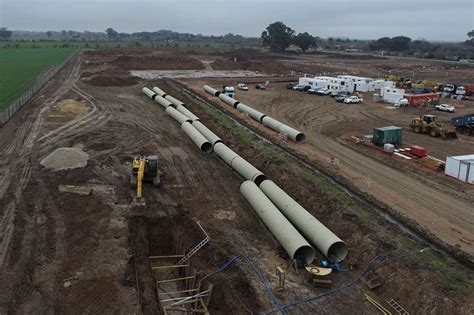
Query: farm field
[[99, 252], [20, 68]]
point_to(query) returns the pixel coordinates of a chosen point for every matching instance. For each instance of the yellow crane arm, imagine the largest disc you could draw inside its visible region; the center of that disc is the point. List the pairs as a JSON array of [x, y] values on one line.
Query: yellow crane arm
[[140, 174]]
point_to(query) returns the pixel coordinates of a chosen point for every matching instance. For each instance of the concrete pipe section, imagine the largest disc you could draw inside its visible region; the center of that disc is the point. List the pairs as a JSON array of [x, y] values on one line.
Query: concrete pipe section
[[196, 137], [211, 90], [212, 137], [238, 164], [163, 102], [293, 134], [318, 234], [286, 234], [229, 100], [180, 118], [183, 110], [175, 101], [255, 114], [159, 91], [149, 93]]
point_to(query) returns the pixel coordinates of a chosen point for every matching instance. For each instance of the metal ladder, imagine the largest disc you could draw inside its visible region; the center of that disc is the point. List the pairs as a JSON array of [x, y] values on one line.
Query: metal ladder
[[196, 248], [397, 307]]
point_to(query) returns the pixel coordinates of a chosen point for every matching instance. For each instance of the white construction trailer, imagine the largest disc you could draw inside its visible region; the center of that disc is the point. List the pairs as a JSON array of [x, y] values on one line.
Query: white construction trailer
[[461, 167], [354, 83], [380, 84], [391, 95]]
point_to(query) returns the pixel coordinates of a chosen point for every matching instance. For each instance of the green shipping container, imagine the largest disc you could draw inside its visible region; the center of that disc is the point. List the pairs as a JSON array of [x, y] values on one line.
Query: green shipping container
[[390, 134]]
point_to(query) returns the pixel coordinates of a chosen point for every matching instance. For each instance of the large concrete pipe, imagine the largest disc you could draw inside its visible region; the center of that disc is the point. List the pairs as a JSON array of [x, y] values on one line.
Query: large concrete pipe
[[211, 90], [255, 114], [226, 154], [149, 93], [229, 100], [159, 91], [212, 137], [239, 164], [271, 123], [183, 110], [180, 118], [314, 231], [293, 134], [196, 137], [247, 170], [175, 101], [163, 102], [286, 234]]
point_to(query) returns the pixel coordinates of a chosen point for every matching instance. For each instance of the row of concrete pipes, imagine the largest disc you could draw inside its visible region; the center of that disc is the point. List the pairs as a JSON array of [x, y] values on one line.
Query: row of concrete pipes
[[266, 120], [290, 223]]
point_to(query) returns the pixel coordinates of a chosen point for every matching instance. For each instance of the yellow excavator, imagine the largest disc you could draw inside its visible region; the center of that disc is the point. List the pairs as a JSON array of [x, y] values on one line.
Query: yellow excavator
[[401, 83], [144, 169], [429, 124]]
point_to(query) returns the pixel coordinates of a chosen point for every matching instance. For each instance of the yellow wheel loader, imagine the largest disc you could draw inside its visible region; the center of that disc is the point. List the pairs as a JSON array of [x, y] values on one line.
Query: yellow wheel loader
[[428, 124]]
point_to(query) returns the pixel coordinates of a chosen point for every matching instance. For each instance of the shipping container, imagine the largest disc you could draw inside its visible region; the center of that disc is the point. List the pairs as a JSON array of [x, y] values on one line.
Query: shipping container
[[461, 167], [469, 90], [389, 134], [418, 151], [422, 99]]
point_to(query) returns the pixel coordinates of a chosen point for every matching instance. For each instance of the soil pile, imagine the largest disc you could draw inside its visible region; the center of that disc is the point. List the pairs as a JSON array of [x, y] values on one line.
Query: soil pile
[[65, 158]]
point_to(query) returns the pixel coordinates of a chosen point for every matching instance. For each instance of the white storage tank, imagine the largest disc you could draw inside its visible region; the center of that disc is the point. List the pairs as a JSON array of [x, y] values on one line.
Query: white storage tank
[[461, 167]]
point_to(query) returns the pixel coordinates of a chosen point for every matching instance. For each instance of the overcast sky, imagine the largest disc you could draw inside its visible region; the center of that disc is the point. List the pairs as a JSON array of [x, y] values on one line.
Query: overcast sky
[[445, 20]]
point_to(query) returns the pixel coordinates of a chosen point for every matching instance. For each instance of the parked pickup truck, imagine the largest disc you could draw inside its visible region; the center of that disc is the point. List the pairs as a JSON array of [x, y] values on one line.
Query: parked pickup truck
[[242, 87], [445, 108], [353, 99]]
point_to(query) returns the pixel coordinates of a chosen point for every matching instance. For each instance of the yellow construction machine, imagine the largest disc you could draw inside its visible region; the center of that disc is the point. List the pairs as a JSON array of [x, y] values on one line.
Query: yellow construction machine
[[402, 83], [428, 124], [144, 169]]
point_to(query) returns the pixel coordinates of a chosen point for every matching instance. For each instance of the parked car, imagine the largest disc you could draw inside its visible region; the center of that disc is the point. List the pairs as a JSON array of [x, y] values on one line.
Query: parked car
[[260, 86], [334, 93], [303, 88], [403, 102], [243, 87], [323, 92], [353, 99], [311, 91], [291, 86], [341, 97], [445, 108]]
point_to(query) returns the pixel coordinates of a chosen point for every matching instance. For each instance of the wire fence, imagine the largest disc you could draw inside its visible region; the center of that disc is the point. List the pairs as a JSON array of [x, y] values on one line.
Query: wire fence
[[8, 113]]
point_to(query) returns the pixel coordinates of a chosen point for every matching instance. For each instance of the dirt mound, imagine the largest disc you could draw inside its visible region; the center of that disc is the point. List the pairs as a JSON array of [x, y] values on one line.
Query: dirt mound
[[65, 111], [116, 78], [65, 158], [163, 61]]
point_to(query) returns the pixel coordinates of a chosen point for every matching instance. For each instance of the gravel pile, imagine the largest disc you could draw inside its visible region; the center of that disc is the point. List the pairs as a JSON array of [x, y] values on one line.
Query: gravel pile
[[65, 158]]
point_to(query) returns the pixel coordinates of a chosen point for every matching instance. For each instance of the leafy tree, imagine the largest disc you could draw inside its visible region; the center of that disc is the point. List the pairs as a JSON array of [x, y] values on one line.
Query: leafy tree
[[304, 41], [470, 34], [5, 33], [400, 43], [470, 41], [49, 33], [111, 33], [278, 36]]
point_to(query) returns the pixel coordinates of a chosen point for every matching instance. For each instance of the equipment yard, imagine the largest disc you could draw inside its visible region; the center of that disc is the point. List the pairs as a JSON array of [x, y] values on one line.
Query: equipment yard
[[74, 239]]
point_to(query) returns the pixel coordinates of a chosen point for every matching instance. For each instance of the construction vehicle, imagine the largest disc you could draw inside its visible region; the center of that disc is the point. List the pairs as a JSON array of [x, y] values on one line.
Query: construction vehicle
[[428, 84], [464, 124], [144, 169], [400, 82], [428, 124]]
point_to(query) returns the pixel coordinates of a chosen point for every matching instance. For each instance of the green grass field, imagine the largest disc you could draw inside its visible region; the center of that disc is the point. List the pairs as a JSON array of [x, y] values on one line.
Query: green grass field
[[20, 67]]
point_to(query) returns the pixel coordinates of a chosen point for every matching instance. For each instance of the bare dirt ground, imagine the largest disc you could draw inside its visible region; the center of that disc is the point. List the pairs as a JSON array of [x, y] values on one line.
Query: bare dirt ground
[[446, 212], [66, 253]]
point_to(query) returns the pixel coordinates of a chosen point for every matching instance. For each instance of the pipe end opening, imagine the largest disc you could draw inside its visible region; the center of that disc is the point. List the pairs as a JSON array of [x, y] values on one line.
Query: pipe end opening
[[304, 255], [258, 179], [206, 147], [300, 138], [261, 118], [337, 252], [153, 96], [218, 141], [217, 93], [235, 104]]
